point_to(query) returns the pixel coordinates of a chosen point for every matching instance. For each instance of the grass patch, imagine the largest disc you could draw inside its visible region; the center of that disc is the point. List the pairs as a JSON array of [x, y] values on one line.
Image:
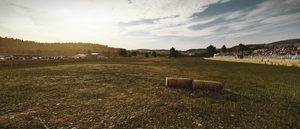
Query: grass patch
[[127, 94]]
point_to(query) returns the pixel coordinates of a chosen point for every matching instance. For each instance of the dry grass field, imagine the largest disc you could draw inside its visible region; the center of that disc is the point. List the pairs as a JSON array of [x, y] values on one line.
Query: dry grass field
[[131, 93]]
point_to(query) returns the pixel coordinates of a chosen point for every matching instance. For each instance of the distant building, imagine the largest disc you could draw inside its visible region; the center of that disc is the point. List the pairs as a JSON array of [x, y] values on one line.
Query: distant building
[[144, 55], [188, 53], [80, 56], [97, 55]]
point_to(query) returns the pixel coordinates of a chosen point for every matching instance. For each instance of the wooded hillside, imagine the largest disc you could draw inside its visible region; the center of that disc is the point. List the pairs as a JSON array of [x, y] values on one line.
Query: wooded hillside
[[18, 46]]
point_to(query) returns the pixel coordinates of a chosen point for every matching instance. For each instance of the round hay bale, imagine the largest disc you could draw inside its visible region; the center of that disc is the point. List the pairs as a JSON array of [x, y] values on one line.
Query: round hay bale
[[179, 82], [207, 85]]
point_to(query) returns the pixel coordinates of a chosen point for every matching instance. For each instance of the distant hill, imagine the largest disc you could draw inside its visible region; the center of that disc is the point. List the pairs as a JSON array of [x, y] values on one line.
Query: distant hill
[[295, 42], [18, 46], [286, 42], [160, 51], [197, 50], [278, 43]]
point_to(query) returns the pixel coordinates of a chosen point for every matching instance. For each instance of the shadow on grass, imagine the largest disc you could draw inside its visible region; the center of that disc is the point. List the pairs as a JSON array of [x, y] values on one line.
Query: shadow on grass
[[223, 95]]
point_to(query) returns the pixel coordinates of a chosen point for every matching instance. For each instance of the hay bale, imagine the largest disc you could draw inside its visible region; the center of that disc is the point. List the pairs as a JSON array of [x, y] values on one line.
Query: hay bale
[[288, 64], [294, 65], [155, 61], [269, 63], [207, 85], [294, 61], [179, 82], [278, 61], [280, 64]]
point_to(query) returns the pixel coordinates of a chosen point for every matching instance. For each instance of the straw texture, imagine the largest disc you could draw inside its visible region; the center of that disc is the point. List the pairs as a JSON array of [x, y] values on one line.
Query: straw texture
[[179, 82], [207, 85]]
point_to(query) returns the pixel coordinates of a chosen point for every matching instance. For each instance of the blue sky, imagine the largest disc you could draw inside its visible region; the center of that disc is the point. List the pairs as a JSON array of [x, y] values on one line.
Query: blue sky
[[151, 24]]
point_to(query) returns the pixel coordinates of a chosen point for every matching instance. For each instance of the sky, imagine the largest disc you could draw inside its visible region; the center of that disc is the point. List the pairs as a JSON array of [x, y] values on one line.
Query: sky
[[151, 24]]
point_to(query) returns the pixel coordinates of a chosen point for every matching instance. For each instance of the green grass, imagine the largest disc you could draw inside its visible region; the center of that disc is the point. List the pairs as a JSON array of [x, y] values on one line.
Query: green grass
[[129, 94]]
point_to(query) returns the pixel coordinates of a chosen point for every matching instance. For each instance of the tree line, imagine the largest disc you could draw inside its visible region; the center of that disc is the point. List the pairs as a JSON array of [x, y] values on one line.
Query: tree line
[[126, 53], [18, 46]]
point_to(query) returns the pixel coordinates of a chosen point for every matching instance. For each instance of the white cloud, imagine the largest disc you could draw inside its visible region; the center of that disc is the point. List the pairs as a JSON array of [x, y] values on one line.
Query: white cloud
[[180, 31], [291, 2], [224, 1], [282, 18], [97, 20], [81, 18], [177, 26], [122, 11], [264, 9], [235, 35], [239, 20], [233, 15]]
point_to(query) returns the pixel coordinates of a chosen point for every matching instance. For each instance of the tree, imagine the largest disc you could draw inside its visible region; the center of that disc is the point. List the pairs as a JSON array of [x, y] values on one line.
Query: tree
[[146, 55], [242, 47], [202, 54], [133, 53], [153, 54], [172, 52], [210, 50], [122, 53], [258, 47], [129, 54], [177, 53], [223, 49]]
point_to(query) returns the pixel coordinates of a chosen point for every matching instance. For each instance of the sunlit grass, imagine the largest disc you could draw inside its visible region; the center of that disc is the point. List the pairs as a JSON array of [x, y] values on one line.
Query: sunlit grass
[[132, 95]]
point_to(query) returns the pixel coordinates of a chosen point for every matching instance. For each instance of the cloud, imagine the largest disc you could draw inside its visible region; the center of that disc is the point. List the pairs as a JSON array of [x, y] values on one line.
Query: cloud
[[291, 2], [180, 31], [135, 10], [271, 8], [138, 21], [282, 18], [233, 15], [235, 35], [267, 12], [224, 1], [231, 35], [239, 20], [264, 9], [177, 26]]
